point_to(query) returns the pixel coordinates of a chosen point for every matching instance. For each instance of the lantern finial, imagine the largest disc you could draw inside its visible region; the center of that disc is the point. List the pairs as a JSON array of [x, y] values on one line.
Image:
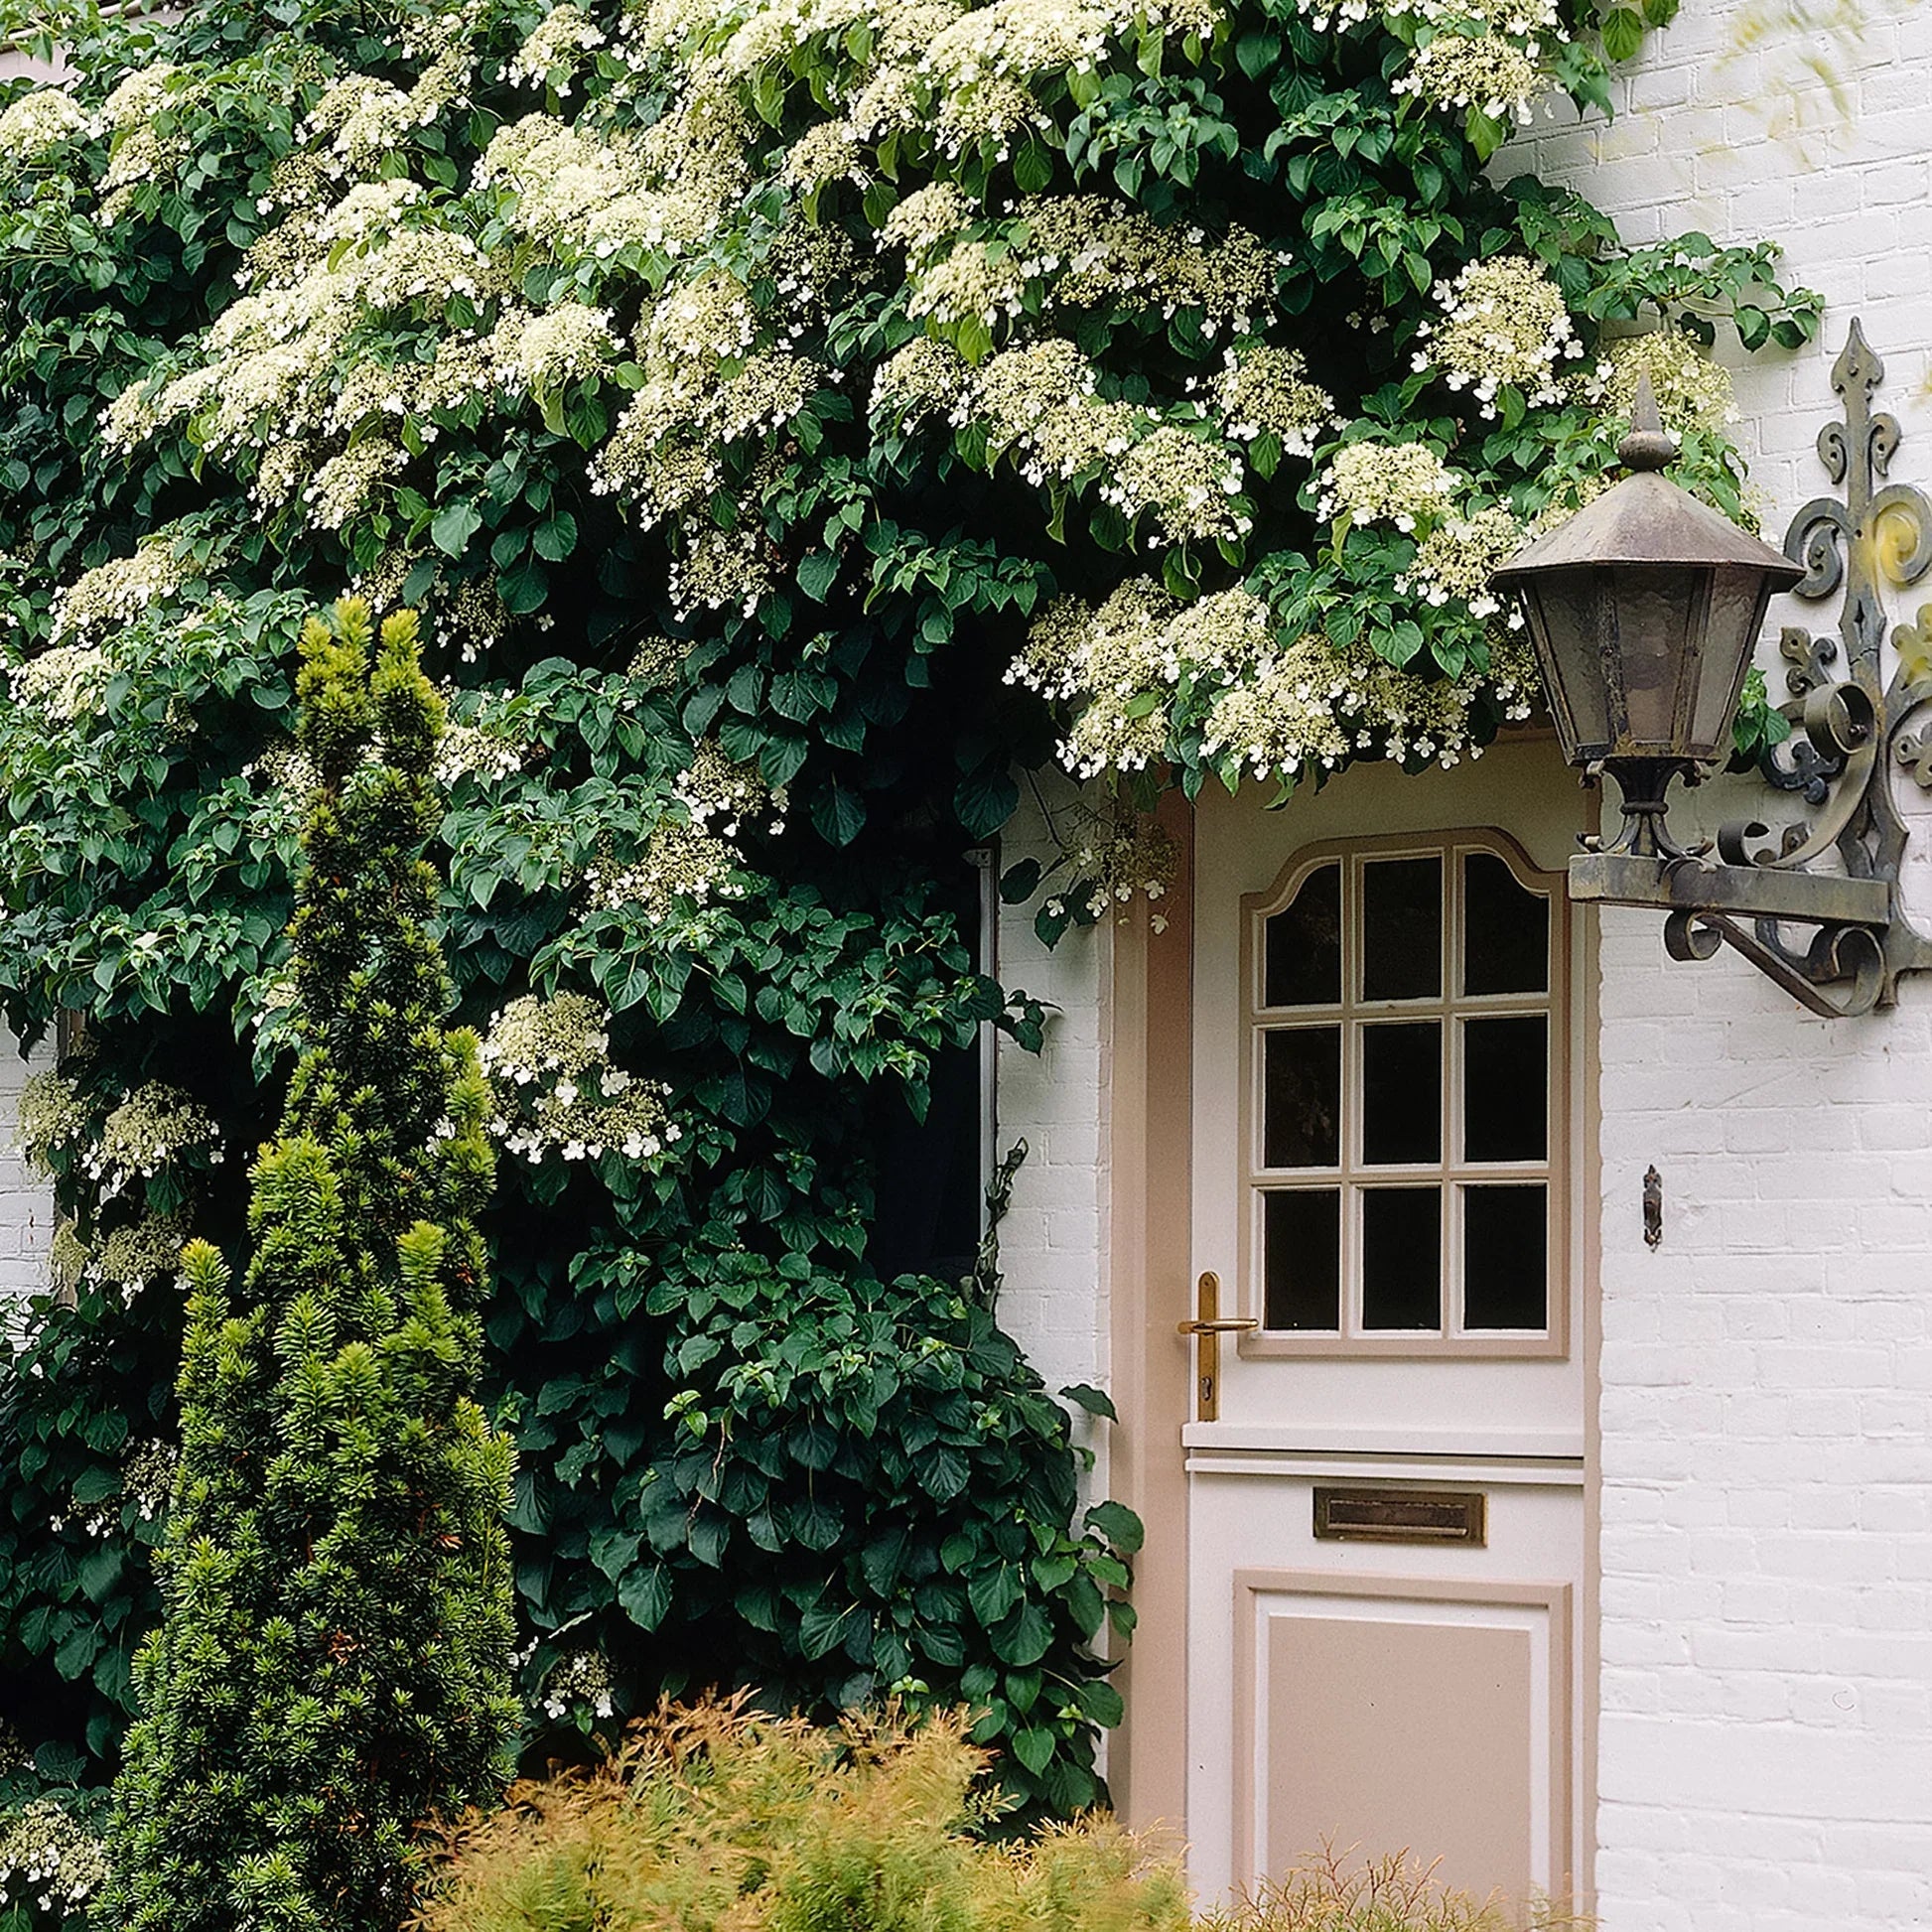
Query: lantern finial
[[1648, 446]]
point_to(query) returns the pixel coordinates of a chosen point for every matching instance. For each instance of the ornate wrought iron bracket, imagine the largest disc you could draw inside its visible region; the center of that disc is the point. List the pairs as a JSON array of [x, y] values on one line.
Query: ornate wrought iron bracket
[[1852, 731]]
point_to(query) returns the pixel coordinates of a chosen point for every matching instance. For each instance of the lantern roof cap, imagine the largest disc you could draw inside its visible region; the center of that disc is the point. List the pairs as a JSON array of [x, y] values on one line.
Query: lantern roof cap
[[1647, 519]]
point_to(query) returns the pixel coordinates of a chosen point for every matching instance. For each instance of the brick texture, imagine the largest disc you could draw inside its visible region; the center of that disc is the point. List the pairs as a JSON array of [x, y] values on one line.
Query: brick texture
[[26, 1201], [1052, 1249]]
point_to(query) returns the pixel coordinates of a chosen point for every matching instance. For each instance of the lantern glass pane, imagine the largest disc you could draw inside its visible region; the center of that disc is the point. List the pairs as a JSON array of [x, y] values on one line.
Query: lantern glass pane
[[1731, 637], [1654, 610], [1563, 613]]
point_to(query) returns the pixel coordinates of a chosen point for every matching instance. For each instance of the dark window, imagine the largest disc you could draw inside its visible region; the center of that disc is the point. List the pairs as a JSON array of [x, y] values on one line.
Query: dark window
[[1401, 929], [1505, 1257], [933, 1173], [1303, 964], [1302, 1234], [1301, 1097]]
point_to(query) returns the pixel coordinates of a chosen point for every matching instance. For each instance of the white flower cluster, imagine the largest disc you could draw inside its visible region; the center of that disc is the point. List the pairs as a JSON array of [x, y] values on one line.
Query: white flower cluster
[[39, 121], [1525, 19], [541, 353], [129, 1258], [927, 378], [1084, 251], [1011, 40], [64, 682], [1273, 710], [926, 219], [1494, 75], [368, 211], [137, 98], [118, 590], [554, 53], [288, 775], [49, 1861], [702, 390], [828, 152], [714, 786], [49, 1115], [548, 1062], [1124, 854], [477, 749], [1403, 483], [680, 868], [579, 1677], [1317, 706], [775, 29], [154, 1126], [656, 663], [1692, 391], [1039, 402], [1191, 487], [722, 569], [1122, 660], [360, 120], [344, 485], [666, 192], [1458, 558], [1263, 390], [1504, 322], [148, 1478], [66, 1260]]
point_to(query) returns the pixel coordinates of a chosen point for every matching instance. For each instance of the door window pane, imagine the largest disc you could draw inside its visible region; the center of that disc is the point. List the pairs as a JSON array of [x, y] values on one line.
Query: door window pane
[[1401, 1092], [1505, 1257], [1506, 1088], [1402, 1258], [1301, 1097], [1505, 930], [1401, 929], [1302, 1239], [1302, 967]]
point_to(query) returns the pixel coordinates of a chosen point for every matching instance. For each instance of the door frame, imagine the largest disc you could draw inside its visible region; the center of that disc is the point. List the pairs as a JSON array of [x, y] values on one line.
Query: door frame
[[1150, 1153]]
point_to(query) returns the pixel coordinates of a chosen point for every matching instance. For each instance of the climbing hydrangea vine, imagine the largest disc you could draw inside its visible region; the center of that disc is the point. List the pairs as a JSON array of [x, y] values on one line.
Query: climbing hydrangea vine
[[795, 419]]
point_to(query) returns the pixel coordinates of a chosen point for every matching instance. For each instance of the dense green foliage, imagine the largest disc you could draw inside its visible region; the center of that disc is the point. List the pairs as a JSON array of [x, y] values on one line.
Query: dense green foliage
[[333, 1662], [752, 424], [717, 1816]]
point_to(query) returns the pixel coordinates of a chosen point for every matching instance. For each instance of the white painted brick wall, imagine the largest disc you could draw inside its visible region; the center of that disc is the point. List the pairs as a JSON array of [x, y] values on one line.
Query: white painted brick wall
[[26, 1201], [1766, 1736], [1055, 1301]]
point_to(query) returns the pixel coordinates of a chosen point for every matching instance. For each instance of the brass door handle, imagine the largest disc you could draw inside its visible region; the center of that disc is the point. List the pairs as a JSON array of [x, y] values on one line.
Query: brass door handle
[[1207, 1328]]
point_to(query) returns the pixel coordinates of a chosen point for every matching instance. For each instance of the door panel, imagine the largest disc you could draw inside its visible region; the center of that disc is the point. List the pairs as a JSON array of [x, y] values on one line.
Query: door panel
[[1364, 1067], [1405, 1711]]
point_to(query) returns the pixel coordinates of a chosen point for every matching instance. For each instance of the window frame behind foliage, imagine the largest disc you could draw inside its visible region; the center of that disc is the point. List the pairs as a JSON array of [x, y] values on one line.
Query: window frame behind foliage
[[1374, 1180]]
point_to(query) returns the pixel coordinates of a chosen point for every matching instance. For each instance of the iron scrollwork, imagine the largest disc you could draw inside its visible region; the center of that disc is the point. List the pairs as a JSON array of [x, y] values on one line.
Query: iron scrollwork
[[1852, 731]]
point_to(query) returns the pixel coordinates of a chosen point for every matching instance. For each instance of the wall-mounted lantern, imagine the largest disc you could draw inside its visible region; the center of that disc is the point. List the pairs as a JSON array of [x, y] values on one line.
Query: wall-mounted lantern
[[1644, 609]]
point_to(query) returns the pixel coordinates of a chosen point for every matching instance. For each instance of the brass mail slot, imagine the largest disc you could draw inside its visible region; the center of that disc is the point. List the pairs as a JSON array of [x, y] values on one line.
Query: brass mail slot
[[1399, 1515]]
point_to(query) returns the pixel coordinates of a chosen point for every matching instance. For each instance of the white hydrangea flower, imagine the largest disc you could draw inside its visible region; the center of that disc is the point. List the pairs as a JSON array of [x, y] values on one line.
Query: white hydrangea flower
[[119, 591], [541, 353], [64, 682], [1402, 484], [549, 1064], [1504, 322], [554, 52], [36, 124]]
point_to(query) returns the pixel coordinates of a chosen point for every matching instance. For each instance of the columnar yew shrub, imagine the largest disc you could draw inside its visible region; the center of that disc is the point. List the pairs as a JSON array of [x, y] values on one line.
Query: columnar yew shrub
[[333, 1660]]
